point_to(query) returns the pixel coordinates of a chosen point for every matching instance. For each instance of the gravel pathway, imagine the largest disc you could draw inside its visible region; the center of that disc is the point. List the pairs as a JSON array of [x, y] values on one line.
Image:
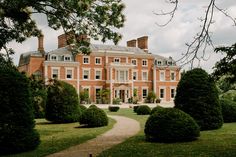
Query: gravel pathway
[[123, 129]]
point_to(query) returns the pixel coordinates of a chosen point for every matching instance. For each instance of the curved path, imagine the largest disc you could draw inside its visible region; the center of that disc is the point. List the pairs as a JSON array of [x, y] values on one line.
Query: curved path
[[123, 129]]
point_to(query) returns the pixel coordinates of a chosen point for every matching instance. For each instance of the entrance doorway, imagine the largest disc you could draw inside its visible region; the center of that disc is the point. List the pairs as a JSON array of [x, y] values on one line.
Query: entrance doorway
[[122, 95]]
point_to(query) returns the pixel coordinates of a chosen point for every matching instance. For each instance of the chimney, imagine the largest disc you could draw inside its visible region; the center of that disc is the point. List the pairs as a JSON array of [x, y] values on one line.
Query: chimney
[[132, 43], [62, 39], [143, 43], [40, 44]]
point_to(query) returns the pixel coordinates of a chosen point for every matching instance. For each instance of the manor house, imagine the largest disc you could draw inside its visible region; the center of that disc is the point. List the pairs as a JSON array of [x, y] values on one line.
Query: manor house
[[120, 69]]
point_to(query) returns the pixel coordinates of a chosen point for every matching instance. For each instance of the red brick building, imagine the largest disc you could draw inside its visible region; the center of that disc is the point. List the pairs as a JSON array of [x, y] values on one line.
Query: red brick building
[[119, 69]]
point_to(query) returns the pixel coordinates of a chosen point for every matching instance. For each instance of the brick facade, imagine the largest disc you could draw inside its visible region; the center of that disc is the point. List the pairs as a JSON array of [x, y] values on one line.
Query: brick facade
[[119, 69]]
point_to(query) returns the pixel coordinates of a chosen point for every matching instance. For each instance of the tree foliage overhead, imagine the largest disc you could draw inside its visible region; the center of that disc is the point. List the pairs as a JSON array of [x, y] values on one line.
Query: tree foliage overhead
[[95, 18], [227, 65]]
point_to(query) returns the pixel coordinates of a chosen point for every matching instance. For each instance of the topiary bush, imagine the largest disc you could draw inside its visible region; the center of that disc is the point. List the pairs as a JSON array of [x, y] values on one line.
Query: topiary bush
[[62, 103], [171, 125], [157, 108], [228, 110], [113, 108], [39, 96], [94, 117], [17, 133], [197, 95], [143, 110], [82, 108], [135, 108]]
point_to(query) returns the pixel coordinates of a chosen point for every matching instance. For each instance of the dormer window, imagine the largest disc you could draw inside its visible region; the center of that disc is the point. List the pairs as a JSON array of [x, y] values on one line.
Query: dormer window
[[67, 58], [116, 60], [53, 57], [169, 62]]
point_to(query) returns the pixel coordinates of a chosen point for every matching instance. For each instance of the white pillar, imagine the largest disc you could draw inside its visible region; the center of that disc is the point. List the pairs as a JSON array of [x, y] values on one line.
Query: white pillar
[[111, 98], [78, 83], [46, 74], [154, 80]]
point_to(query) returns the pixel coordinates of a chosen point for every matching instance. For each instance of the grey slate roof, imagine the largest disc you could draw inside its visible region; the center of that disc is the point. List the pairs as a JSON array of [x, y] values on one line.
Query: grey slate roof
[[25, 57]]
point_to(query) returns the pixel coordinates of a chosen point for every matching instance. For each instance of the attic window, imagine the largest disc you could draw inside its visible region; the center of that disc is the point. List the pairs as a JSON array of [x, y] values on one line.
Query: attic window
[[67, 58], [53, 58]]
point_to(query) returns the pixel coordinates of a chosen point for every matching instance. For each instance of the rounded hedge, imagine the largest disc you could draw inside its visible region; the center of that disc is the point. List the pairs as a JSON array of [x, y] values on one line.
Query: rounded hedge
[[197, 95], [62, 103], [171, 125], [82, 108], [17, 123], [94, 117], [157, 108], [228, 110], [143, 110], [113, 108], [135, 108]]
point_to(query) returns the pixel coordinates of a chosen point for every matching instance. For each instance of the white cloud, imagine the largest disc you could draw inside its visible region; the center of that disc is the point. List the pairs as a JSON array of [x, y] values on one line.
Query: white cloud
[[167, 41]]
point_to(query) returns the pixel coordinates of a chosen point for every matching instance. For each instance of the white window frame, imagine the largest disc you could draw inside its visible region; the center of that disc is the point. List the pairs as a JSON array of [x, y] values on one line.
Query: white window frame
[[164, 77], [158, 61], [86, 57], [136, 62], [116, 59], [88, 74], [172, 88], [100, 70], [136, 75], [144, 88], [72, 73], [68, 57], [144, 65], [51, 57], [55, 68], [144, 71], [87, 87], [100, 58], [164, 94], [172, 72]]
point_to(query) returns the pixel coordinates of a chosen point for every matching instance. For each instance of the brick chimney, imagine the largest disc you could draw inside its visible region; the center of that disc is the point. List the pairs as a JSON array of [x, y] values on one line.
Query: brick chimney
[[40, 44], [143, 43], [132, 43], [62, 39]]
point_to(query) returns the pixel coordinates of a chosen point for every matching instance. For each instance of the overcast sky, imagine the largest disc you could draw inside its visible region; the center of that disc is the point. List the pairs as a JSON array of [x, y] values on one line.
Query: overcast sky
[[166, 41]]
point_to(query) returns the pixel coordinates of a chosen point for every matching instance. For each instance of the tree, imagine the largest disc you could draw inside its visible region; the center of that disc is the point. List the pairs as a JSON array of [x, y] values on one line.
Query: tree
[[39, 96], [62, 103], [17, 123], [203, 38], [227, 65], [95, 18], [197, 95]]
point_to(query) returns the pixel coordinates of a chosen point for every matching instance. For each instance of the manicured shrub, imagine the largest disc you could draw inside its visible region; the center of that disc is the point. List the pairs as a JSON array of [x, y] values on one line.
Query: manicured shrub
[[62, 103], [39, 96], [197, 95], [143, 110], [91, 106], [116, 101], [17, 123], [157, 108], [94, 117], [171, 125], [135, 108], [113, 108], [228, 110], [151, 97], [82, 108]]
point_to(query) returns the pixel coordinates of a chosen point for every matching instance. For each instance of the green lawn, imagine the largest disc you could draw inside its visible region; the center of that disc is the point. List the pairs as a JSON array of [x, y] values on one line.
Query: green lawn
[[217, 143], [56, 137]]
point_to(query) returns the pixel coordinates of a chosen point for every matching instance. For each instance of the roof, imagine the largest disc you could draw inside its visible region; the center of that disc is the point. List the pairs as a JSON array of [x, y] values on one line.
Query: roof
[[25, 57]]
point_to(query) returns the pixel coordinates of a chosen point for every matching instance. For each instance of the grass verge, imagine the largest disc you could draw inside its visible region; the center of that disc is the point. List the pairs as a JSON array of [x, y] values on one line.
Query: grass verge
[[57, 137], [215, 143]]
